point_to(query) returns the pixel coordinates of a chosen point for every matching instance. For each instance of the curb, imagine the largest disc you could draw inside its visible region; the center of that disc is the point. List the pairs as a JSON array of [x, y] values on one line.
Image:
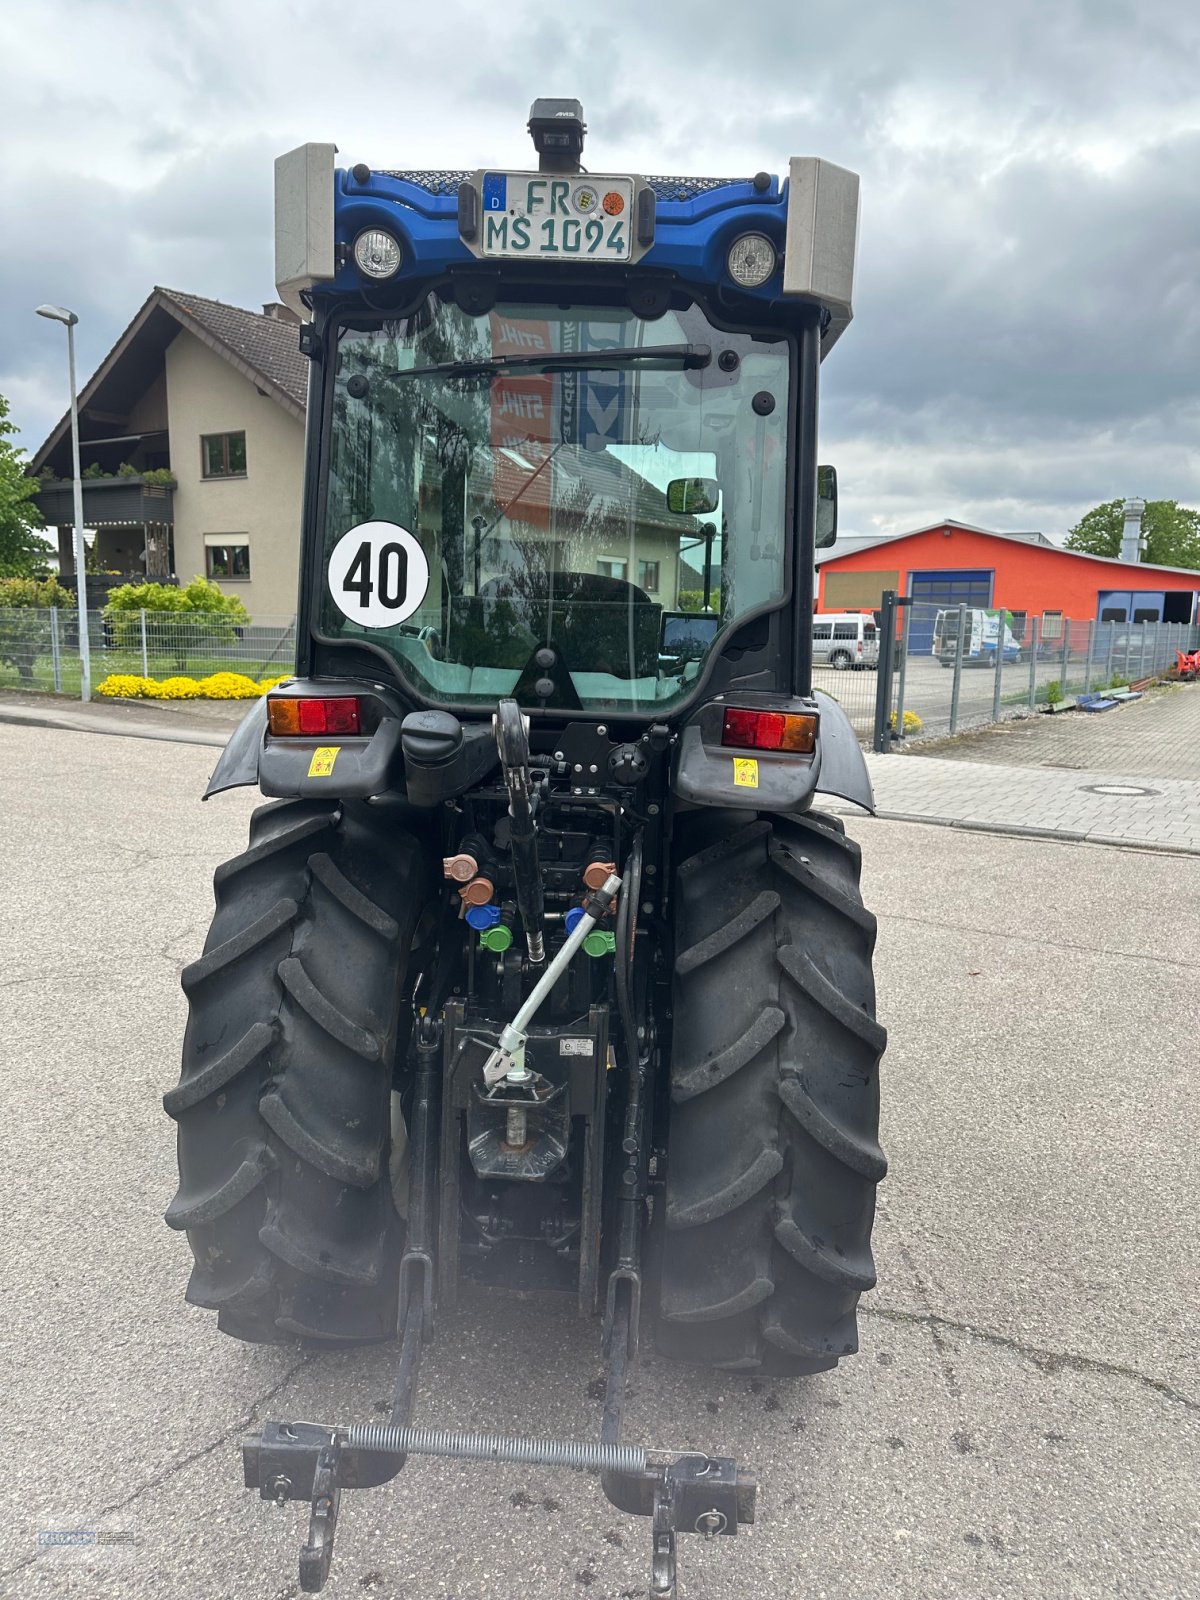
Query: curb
[[66, 723], [1016, 830]]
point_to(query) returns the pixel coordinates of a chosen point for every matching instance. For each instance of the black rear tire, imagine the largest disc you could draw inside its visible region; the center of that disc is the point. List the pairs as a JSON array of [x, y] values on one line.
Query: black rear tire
[[283, 1107], [773, 1153]]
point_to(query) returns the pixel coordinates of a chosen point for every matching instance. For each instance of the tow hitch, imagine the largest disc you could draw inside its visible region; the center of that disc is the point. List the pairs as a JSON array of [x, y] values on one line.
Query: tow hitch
[[682, 1492]]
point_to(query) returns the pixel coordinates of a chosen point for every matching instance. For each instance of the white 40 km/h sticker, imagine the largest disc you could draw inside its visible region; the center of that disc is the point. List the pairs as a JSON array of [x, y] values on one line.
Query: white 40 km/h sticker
[[378, 574]]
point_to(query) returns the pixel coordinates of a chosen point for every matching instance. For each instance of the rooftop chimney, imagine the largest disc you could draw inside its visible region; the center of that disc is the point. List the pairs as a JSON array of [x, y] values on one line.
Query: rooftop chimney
[[1131, 534], [278, 313]]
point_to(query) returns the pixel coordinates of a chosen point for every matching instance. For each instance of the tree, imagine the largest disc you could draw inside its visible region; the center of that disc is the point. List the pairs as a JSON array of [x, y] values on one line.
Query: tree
[[1170, 533], [22, 553]]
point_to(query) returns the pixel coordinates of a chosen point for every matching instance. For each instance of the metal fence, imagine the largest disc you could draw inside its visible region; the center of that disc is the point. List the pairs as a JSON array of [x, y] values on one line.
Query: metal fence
[[954, 668], [853, 686], [39, 650]]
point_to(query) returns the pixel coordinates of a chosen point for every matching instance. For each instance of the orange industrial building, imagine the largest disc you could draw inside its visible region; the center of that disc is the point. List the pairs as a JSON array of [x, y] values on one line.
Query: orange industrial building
[[952, 563]]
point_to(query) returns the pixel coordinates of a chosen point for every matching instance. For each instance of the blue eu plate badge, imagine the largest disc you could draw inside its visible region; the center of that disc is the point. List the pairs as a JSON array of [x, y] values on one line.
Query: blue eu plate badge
[[495, 192]]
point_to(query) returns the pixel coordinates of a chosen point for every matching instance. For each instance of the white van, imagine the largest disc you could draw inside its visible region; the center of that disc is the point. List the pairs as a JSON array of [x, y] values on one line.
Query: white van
[[844, 639], [980, 637]]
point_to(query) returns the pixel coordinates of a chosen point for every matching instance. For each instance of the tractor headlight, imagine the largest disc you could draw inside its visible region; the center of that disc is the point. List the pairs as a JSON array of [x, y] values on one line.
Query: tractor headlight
[[751, 260], [377, 253]]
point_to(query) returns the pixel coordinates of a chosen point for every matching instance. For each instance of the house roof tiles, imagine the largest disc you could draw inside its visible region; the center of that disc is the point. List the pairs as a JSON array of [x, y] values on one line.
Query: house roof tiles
[[268, 345]]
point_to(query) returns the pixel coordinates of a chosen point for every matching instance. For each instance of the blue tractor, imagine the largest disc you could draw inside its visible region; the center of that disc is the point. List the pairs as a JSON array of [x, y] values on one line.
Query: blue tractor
[[541, 970]]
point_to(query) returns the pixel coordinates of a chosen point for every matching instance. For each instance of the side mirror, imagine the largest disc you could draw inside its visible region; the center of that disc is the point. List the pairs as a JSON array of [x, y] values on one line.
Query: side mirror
[[692, 497], [826, 507]]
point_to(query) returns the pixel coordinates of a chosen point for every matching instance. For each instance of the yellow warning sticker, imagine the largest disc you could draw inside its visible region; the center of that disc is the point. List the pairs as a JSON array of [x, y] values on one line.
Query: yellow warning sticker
[[321, 765], [745, 773]]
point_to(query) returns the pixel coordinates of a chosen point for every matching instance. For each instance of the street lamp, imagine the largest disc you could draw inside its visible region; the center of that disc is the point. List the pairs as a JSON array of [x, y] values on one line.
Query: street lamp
[[69, 319]]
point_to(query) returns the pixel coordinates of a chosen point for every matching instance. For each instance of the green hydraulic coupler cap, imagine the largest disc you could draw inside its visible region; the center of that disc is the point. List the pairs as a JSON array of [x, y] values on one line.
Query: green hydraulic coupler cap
[[498, 938], [600, 944]]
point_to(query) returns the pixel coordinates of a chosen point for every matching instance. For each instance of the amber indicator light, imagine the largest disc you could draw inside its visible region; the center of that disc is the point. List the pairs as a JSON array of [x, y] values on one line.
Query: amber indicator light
[[769, 730], [289, 717]]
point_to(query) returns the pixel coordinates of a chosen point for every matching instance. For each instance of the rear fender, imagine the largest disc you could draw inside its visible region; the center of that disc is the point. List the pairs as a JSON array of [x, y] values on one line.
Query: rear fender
[[286, 769], [704, 773]]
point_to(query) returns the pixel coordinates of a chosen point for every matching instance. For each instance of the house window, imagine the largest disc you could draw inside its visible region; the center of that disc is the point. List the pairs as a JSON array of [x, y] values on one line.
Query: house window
[[223, 455], [231, 560], [612, 567], [648, 576], [1052, 624]]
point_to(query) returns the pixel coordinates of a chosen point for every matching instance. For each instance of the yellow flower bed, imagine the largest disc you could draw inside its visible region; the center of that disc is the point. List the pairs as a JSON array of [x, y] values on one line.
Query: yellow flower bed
[[218, 686], [912, 722]]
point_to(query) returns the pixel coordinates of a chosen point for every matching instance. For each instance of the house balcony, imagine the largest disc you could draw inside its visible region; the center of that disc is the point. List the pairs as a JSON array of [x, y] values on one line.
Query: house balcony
[[133, 522], [107, 503]]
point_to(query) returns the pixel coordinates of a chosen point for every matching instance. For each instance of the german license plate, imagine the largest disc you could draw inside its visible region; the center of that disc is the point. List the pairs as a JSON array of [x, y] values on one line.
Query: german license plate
[[550, 217]]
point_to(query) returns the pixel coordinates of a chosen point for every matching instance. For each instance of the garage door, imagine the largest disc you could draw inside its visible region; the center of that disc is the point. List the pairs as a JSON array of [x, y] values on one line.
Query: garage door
[[933, 590]]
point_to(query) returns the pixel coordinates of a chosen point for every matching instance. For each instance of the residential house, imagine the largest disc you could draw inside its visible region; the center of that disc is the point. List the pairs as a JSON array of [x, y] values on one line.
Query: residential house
[[214, 395]]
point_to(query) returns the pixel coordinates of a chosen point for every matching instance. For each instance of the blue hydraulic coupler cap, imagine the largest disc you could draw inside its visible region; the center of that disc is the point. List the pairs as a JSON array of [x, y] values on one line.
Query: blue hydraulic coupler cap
[[571, 920], [483, 917]]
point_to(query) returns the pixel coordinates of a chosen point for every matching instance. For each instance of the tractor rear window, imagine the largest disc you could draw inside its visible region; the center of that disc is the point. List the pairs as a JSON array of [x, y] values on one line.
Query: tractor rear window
[[534, 501]]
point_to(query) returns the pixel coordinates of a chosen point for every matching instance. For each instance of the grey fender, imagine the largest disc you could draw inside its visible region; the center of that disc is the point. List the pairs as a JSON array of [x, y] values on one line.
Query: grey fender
[[703, 772], [366, 765], [843, 769], [238, 763]]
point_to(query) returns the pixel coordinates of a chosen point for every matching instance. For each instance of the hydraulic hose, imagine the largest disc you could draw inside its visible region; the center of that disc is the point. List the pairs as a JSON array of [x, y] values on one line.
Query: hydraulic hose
[[627, 909], [513, 744], [508, 1056]]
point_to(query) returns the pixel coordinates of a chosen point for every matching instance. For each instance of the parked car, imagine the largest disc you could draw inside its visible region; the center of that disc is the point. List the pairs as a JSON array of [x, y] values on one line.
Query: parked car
[[845, 640]]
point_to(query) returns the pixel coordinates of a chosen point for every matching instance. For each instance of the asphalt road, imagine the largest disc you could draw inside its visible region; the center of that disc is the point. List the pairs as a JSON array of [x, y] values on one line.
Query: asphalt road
[[1022, 1420]]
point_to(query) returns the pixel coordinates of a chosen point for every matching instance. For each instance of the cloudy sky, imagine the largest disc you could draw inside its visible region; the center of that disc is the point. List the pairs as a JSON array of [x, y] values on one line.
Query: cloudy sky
[[1027, 331]]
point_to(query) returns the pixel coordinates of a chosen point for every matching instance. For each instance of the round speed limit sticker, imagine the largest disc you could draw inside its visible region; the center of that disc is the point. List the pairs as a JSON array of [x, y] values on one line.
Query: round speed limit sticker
[[378, 574]]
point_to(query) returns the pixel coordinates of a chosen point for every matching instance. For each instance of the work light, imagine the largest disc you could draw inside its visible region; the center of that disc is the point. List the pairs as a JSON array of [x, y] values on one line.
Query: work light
[[751, 260], [377, 253]]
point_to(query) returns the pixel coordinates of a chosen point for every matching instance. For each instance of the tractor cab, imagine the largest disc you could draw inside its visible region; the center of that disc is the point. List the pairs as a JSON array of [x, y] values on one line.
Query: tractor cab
[[557, 414]]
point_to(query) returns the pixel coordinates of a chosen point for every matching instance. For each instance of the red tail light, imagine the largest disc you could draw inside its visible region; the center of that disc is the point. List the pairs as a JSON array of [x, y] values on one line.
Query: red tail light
[[769, 730], [291, 717]]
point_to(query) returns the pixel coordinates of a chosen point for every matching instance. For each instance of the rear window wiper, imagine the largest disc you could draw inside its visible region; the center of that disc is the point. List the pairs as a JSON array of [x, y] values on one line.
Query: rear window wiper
[[687, 355]]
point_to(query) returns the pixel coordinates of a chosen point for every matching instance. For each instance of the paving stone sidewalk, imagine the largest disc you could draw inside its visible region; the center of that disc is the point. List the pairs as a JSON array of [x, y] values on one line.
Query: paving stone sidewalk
[[1146, 812], [1127, 777], [1157, 736]]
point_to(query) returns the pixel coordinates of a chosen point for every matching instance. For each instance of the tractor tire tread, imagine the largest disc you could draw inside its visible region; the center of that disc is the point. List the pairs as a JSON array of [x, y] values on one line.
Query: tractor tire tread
[[763, 1242], [282, 1108]]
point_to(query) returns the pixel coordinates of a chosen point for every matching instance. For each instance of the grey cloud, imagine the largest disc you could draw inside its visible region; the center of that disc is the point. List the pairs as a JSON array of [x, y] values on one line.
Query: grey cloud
[[1027, 334]]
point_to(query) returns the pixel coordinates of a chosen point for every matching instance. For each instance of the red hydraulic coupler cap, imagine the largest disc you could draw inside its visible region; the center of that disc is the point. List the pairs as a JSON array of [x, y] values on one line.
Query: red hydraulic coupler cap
[[478, 893], [459, 869]]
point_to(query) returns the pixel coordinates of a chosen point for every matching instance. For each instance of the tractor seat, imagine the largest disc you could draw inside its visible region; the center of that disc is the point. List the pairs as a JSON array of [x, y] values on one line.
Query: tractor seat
[[586, 617]]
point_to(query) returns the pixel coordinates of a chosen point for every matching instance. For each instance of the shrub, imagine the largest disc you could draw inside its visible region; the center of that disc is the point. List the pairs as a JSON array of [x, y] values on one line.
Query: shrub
[[160, 477], [1054, 693], [41, 593], [218, 686], [178, 621], [126, 471], [912, 722], [25, 630]]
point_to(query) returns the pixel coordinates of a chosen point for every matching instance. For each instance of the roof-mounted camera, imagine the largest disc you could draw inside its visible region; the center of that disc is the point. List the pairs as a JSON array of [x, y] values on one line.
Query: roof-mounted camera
[[557, 129]]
